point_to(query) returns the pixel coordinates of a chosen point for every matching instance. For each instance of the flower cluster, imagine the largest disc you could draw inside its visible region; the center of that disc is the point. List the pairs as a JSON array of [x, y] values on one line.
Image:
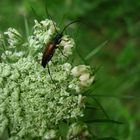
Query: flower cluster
[[78, 130], [31, 105]]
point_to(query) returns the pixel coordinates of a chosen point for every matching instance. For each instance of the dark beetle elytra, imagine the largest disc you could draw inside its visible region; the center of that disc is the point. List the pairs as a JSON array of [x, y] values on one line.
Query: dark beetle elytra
[[50, 47]]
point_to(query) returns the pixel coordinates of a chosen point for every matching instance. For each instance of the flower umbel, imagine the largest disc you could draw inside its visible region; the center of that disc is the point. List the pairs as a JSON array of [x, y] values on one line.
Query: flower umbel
[[30, 104]]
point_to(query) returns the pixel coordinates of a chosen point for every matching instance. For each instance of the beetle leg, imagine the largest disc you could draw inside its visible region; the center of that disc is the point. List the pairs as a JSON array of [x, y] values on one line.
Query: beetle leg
[[62, 52], [50, 75]]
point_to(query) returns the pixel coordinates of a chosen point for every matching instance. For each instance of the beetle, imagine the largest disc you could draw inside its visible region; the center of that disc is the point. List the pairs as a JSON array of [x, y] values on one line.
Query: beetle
[[52, 46]]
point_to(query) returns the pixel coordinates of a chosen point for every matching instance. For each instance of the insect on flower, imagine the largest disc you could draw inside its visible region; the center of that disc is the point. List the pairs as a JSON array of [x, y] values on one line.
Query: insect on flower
[[50, 47]]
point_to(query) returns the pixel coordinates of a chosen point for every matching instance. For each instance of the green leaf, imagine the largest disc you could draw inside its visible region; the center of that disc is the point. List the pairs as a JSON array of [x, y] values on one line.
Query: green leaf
[[96, 50]]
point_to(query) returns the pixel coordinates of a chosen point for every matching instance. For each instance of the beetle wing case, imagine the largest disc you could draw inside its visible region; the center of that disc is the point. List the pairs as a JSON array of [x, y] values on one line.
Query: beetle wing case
[[48, 53]]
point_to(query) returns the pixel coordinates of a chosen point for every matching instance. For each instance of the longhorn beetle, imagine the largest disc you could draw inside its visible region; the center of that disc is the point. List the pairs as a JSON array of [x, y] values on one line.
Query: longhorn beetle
[[52, 46]]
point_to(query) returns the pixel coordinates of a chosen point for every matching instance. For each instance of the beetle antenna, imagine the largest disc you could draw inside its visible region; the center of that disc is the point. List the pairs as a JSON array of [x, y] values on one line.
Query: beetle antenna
[[47, 13], [69, 25]]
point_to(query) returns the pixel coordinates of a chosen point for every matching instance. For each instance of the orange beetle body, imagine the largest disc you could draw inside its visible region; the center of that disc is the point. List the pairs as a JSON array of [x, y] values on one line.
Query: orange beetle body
[[50, 49]]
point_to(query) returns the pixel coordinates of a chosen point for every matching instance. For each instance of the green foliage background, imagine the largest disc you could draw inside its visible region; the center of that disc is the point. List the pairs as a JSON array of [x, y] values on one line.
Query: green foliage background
[[117, 84]]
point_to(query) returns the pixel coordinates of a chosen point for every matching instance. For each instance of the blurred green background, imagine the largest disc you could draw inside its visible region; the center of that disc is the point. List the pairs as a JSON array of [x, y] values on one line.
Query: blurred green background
[[117, 85]]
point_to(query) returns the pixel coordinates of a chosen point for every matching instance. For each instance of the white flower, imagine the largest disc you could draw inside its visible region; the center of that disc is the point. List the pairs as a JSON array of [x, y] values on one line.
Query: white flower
[[6, 71], [44, 30], [30, 103], [83, 73], [78, 70], [86, 80], [67, 67], [14, 37], [50, 135], [68, 44], [78, 131]]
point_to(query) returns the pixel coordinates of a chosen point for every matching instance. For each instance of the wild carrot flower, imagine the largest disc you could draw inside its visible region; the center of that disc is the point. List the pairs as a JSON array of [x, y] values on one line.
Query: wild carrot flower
[[31, 106]]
